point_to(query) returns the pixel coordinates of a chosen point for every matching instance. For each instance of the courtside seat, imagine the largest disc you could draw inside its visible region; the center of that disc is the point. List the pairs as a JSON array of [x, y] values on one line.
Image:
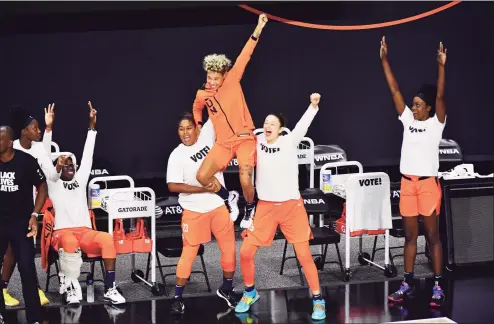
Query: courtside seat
[[171, 247], [316, 203]]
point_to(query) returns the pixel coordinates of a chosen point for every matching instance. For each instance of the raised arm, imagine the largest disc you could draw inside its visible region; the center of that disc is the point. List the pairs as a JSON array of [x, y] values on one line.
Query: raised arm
[[303, 124], [47, 136], [84, 170], [197, 108], [237, 71], [46, 165], [441, 83], [390, 79]]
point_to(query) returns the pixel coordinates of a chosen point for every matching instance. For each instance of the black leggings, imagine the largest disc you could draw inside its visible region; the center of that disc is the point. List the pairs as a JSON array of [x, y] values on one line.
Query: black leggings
[[15, 232]]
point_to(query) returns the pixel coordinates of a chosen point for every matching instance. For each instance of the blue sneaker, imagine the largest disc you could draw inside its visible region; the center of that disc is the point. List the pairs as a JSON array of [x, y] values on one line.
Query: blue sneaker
[[405, 291], [438, 297], [248, 298], [318, 309]]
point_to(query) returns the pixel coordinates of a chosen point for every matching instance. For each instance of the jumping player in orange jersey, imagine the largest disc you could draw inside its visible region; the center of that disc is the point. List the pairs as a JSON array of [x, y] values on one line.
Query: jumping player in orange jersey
[[223, 97]]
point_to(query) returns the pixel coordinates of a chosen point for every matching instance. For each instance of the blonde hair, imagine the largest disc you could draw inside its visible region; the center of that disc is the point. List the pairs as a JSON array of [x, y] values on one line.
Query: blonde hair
[[216, 63]]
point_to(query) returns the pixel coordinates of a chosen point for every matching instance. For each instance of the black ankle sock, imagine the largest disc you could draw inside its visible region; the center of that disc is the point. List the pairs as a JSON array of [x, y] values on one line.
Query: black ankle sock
[[223, 193], [409, 278], [438, 280], [179, 290], [249, 289], [5, 283], [227, 284], [317, 297]]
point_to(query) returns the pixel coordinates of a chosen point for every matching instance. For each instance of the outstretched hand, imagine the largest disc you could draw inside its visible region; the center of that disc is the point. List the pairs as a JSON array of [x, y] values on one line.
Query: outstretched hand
[[384, 49], [92, 115], [441, 54], [49, 116], [314, 99]]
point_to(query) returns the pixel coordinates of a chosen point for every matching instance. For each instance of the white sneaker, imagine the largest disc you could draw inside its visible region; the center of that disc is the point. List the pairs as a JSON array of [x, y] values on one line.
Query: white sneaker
[[71, 295], [233, 203], [248, 218], [114, 296]]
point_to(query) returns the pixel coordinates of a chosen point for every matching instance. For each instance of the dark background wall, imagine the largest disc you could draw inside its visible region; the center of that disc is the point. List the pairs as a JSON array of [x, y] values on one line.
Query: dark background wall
[[140, 65]]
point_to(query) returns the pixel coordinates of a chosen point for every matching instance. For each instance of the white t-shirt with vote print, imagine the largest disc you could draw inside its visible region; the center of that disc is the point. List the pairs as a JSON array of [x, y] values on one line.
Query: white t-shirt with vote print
[[277, 163], [183, 164], [420, 147]]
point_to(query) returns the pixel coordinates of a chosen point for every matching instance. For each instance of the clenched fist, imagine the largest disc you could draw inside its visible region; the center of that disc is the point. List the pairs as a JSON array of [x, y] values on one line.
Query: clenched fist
[[263, 19], [314, 99]]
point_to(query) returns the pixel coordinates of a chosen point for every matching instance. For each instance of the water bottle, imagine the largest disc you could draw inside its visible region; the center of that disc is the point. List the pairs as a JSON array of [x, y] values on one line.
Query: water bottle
[[90, 289], [326, 181], [95, 194]]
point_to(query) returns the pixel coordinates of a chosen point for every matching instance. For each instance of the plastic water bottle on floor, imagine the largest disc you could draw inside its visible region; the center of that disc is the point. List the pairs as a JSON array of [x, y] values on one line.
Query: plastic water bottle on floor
[[90, 289]]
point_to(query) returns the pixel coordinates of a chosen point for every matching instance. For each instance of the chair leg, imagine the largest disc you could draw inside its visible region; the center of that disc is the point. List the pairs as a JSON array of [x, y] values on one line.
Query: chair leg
[[48, 278], [163, 278], [391, 257], [284, 257], [374, 248], [339, 260], [324, 256], [299, 266], [147, 267], [205, 273], [103, 269], [92, 269]]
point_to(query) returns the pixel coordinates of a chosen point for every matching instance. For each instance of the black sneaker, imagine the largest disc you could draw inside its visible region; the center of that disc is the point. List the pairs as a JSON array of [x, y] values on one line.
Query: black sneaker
[[437, 299], [228, 296], [178, 306], [405, 291], [1, 319]]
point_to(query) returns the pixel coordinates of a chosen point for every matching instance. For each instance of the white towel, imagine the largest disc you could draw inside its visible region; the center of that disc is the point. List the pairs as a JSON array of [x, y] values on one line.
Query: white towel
[[368, 206]]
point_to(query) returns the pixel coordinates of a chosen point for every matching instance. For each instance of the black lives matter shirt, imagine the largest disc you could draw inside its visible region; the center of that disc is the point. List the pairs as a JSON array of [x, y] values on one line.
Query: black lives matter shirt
[[17, 178]]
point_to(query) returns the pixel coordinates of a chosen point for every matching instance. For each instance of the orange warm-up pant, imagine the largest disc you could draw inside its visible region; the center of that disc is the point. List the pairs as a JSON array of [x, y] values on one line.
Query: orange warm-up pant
[[292, 218], [91, 242], [197, 229], [420, 197]]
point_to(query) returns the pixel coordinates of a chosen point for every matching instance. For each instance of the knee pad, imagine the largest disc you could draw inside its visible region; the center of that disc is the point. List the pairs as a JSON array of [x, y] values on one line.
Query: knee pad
[[70, 264]]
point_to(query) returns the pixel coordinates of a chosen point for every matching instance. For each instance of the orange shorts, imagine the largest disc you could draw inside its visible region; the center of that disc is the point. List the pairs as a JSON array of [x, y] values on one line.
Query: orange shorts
[[91, 242], [244, 149], [420, 197], [290, 215], [197, 227]]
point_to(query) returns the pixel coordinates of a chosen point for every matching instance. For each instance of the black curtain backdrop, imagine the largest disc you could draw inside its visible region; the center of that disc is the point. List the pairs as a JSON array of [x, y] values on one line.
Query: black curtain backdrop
[[141, 80]]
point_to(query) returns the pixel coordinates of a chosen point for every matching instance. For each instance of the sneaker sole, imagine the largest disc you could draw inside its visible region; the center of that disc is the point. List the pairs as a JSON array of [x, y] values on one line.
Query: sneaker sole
[[224, 298], [113, 302]]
